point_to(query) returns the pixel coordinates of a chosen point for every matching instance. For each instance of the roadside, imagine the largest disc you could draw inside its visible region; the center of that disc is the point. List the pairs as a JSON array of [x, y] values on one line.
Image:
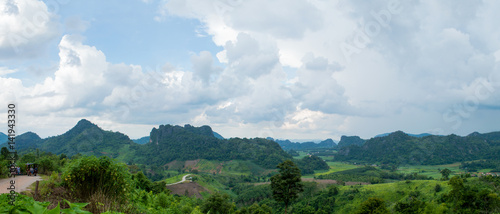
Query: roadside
[[182, 181], [21, 183]]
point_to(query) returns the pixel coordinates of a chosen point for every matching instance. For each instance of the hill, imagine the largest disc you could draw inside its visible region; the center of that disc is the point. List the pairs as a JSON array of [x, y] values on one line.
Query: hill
[[399, 147], [142, 140], [170, 143], [217, 135], [3, 138], [413, 135], [288, 145], [350, 140], [87, 138], [25, 141]]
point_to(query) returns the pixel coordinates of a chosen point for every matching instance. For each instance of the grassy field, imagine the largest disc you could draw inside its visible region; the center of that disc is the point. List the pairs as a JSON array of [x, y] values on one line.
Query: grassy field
[[431, 170], [390, 193], [301, 155], [335, 167]]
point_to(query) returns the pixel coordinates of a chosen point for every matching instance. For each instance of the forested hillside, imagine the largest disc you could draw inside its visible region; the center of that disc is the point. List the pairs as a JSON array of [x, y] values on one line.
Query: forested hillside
[[350, 140], [288, 145], [399, 147], [170, 143]]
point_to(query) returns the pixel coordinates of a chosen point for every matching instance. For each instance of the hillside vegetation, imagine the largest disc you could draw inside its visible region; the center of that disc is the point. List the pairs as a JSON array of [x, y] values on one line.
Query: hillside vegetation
[[400, 148]]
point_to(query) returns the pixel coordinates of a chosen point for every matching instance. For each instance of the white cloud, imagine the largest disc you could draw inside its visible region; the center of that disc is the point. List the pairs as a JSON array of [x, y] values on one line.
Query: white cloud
[[5, 71], [27, 26], [285, 73]]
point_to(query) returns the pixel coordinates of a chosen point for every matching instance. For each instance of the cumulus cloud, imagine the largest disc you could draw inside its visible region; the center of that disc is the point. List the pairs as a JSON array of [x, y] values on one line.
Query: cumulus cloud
[[285, 71], [27, 26]]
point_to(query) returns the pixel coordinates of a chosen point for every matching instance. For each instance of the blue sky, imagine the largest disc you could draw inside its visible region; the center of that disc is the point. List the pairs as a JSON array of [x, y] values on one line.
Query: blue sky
[[312, 69]]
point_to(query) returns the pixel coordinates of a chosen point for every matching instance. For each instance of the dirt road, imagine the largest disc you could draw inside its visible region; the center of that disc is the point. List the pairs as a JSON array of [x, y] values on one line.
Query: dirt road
[[21, 183], [182, 181]]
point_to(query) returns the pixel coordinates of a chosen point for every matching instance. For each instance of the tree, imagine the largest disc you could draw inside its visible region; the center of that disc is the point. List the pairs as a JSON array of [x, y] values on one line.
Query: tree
[[4, 153], [445, 173], [218, 204], [372, 205], [287, 184]]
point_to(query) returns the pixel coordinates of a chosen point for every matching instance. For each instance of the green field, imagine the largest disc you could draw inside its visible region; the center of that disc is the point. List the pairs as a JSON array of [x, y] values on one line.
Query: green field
[[430, 170], [335, 167], [390, 193]]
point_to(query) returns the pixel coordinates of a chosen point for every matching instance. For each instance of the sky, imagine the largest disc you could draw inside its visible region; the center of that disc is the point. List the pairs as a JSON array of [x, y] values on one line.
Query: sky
[[290, 69]]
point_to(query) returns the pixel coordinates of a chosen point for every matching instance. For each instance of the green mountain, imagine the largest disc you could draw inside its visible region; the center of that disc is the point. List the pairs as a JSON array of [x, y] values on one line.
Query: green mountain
[[142, 140], [399, 147], [170, 143], [87, 138], [3, 138], [288, 145], [24, 142], [217, 135], [350, 140]]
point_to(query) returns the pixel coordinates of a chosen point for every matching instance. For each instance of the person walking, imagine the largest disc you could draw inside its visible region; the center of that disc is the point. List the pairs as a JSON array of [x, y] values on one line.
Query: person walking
[[31, 170]]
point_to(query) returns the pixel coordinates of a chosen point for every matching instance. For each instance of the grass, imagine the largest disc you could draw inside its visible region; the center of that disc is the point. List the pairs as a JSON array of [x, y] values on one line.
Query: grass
[[335, 167], [431, 170], [391, 193], [301, 155], [175, 179]]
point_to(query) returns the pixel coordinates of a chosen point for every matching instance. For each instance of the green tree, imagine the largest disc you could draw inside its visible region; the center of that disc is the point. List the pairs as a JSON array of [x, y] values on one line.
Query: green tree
[[4, 153], [287, 184], [445, 173], [372, 206], [218, 204]]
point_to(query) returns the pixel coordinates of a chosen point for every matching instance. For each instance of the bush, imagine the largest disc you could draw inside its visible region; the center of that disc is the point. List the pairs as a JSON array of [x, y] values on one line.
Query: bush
[[89, 175]]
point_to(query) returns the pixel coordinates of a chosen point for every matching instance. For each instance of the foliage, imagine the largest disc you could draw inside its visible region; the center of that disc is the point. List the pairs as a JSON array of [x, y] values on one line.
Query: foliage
[[293, 153], [310, 163], [475, 166], [89, 175], [25, 204], [190, 143], [479, 196], [372, 205], [399, 147], [445, 173], [218, 204], [287, 184]]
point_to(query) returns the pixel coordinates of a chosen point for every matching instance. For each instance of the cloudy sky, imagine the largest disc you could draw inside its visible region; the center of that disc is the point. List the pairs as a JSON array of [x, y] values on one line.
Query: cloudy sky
[[297, 69]]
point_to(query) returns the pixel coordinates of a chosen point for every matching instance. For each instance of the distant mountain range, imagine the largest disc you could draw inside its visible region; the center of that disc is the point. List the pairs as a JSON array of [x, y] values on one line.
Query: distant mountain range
[[142, 140], [3, 138], [288, 145], [168, 143], [401, 148], [413, 135], [165, 144]]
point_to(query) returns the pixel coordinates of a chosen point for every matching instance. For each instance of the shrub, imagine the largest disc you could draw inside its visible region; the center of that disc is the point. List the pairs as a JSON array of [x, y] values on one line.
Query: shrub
[[89, 174]]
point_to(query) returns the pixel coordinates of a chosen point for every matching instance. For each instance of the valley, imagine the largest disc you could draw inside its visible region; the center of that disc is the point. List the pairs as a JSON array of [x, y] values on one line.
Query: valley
[[195, 167]]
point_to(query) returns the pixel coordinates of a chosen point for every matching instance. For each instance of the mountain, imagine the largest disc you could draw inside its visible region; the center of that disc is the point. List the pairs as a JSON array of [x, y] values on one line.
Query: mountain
[[217, 135], [88, 138], [413, 135], [25, 141], [350, 140], [399, 147], [170, 143], [3, 138], [142, 140], [288, 145]]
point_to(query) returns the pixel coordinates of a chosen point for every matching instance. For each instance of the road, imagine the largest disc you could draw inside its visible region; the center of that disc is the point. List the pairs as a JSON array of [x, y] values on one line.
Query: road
[[183, 179], [21, 183]]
